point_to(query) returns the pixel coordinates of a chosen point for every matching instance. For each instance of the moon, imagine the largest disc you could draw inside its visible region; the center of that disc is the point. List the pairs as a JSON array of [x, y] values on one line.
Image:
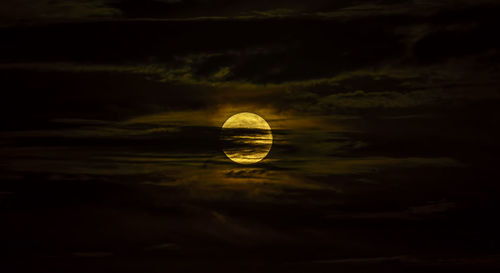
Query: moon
[[246, 138]]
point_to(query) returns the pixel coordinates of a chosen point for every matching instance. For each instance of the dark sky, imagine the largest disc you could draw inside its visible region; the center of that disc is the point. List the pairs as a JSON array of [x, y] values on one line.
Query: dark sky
[[384, 114]]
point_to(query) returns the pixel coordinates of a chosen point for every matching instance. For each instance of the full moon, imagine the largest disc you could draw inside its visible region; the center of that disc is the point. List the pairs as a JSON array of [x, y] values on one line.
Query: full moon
[[246, 138]]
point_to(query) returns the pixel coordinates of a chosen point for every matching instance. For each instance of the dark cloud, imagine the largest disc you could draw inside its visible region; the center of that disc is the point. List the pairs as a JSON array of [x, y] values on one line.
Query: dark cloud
[[415, 213], [28, 11], [245, 173], [45, 10]]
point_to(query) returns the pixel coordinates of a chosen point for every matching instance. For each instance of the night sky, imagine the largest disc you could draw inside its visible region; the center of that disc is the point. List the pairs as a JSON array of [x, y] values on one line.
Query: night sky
[[385, 120]]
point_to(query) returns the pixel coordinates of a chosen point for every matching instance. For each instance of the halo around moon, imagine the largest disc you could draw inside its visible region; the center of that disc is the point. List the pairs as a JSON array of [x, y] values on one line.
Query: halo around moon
[[246, 138]]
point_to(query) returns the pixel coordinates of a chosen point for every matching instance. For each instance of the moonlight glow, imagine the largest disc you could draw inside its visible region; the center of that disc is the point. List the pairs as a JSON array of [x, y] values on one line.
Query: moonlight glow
[[247, 138]]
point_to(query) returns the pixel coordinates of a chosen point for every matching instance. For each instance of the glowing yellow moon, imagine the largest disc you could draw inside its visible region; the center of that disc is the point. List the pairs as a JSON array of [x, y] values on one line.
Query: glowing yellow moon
[[247, 138]]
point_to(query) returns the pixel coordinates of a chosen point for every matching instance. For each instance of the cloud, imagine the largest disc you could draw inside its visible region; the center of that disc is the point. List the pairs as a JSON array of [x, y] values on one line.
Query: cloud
[[165, 246], [175, 10], [402, 258], [358, 90], [361, 100], [435, 207], [92, 254], [20, 10], [413, 213], [252, 173], [323, 165]]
